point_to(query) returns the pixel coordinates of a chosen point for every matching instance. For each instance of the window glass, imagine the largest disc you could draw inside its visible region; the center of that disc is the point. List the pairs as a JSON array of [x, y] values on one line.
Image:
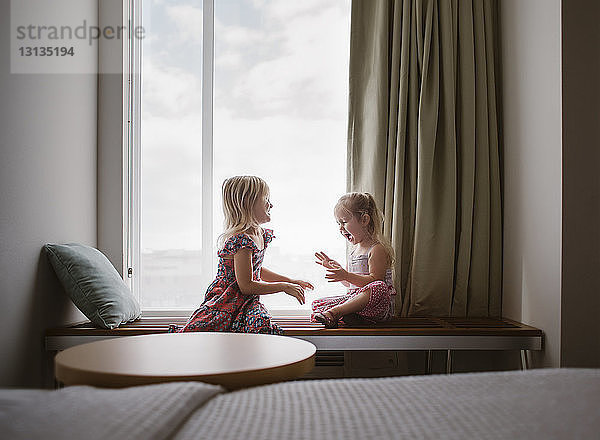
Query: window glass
[[171, 166], [280, 112]]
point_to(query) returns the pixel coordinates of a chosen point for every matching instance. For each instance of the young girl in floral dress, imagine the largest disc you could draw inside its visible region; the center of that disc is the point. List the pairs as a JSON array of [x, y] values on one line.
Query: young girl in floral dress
[[368, 274], [232, 300]]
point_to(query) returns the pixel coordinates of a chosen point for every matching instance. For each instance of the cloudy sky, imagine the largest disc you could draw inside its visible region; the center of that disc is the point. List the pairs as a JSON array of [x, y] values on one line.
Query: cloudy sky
[[280, 112]]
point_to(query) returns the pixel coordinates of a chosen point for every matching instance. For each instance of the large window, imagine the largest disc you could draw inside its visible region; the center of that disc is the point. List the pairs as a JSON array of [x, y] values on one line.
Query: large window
[[248, 87]]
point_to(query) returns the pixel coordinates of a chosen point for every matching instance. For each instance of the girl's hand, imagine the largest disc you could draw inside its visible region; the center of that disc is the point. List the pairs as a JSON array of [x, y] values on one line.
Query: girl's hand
[[303, 284], [294, 290], [336, 274], [326, 262]]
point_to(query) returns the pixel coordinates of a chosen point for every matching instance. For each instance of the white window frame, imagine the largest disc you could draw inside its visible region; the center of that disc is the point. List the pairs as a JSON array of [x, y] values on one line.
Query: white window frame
[[132, 69], [131, 147]]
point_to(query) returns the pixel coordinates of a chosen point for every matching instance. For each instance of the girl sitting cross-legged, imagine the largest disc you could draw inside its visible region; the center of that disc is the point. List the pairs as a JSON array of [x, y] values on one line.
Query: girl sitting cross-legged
[[368, 276], [232, 300]]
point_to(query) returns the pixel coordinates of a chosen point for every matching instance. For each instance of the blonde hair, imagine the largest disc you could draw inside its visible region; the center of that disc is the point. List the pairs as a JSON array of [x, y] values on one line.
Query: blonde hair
[[240, 194], [358, 204]]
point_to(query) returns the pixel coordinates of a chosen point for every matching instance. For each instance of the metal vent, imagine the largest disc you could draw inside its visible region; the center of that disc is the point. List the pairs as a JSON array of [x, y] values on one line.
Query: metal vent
[[329, 359]]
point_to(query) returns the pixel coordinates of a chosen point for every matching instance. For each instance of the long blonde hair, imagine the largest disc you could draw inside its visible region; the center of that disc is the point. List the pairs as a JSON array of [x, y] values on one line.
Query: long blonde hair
[[240, 194], [358, 204]]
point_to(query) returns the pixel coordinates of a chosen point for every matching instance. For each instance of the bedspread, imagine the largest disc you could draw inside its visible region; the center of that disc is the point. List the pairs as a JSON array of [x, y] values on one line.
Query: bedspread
[[147, 413], [534, 404]]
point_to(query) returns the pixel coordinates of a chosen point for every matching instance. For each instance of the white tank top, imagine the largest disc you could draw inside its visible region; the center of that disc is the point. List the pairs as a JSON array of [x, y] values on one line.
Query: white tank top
[[359, 264]]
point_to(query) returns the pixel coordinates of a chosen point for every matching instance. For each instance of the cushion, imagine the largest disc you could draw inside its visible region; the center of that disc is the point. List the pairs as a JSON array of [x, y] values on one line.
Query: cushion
[[93, 284]]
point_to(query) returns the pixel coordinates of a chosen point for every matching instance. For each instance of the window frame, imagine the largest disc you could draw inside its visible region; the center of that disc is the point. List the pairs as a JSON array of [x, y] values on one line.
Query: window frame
[[132, 76], [131, 147], [132, 79]]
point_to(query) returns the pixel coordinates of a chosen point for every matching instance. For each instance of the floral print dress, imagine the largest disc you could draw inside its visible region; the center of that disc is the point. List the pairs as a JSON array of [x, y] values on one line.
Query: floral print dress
[[225, 307]]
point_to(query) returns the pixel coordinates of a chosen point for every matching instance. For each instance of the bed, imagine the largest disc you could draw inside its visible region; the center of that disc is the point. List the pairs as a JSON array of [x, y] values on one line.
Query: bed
[[542, 403]]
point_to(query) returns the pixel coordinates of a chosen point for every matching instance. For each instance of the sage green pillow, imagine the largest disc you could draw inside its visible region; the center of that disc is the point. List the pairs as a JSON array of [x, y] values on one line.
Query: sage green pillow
[[93, 284]]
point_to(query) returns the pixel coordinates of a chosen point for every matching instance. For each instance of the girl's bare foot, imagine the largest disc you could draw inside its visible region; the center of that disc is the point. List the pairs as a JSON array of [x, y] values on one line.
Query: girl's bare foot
[[328, 319]]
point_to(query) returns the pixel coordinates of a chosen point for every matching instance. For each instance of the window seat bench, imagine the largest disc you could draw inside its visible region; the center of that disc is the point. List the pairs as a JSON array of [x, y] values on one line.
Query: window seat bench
[[427, 334]]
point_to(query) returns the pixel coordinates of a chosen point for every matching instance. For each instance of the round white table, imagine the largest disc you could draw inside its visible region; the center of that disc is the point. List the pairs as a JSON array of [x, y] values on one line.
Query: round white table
[[233, 360]]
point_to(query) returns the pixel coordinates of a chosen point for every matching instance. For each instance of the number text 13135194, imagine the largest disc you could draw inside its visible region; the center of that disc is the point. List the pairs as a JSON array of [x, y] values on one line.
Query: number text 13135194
[[46, 51]]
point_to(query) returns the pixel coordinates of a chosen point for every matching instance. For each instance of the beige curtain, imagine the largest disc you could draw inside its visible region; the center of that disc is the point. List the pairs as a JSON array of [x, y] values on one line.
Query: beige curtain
[[423, 139]]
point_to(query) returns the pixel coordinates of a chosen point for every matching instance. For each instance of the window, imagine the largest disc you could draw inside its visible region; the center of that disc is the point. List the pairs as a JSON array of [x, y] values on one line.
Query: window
[[248, 87]]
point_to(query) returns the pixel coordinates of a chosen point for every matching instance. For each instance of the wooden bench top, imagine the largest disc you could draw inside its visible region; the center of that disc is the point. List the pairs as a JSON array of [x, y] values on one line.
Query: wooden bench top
[[423, 333], [301, 326]]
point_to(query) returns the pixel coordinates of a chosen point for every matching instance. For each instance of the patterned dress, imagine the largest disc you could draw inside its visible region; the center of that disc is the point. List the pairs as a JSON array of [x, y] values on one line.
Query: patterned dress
[[381, 303], [225, 307]]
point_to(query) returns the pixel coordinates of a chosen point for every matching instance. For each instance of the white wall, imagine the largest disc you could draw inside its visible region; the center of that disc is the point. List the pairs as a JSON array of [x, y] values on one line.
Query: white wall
[[551, 112], [47, 194], [531, 96]]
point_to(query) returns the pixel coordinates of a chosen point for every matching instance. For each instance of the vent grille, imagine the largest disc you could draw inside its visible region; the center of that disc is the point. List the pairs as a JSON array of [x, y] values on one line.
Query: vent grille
[[329, 359]]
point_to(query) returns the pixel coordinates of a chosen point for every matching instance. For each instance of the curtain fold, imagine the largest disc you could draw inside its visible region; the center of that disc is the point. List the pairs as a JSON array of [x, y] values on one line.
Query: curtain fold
[[423, 139]]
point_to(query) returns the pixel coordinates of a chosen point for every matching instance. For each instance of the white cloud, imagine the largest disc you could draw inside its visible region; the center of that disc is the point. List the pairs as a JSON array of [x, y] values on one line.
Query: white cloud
[[230, 35], [285, 10], [169, 91], [294, 63], [188, 21], [171, 182]]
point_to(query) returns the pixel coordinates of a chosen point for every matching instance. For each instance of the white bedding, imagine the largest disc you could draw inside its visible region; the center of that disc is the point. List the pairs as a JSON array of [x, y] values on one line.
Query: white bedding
[[537, 404], [148, 412]]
